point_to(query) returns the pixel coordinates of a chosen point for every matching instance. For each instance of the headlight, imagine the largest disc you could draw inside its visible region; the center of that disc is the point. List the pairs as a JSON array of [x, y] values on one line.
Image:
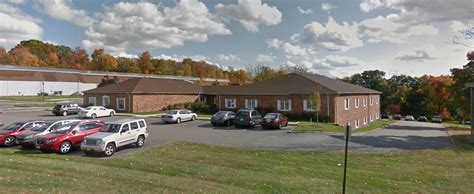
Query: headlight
[[50, 141], [98, 141]]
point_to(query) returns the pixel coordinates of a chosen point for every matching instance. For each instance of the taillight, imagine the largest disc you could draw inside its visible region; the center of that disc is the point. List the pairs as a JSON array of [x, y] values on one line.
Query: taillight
[[247, 118]]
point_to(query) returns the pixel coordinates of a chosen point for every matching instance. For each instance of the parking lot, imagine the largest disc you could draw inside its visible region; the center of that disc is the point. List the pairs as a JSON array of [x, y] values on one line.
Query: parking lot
[[402, 135]]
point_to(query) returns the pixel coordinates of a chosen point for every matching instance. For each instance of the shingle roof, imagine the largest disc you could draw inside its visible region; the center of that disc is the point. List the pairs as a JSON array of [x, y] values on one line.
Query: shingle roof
[[294, 83], [149, 86]]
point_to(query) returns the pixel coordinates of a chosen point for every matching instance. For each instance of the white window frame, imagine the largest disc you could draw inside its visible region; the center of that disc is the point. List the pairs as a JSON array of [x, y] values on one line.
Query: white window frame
[[89, 100], [233, 101], [371, 101], [124, 103], [103, 100], [305, 105], [285, 103], [365, 120], [371, 118], [356, 102], [365, 101], [376, 100], [250, 102], [376, 115], [347, 104], [357, 124]]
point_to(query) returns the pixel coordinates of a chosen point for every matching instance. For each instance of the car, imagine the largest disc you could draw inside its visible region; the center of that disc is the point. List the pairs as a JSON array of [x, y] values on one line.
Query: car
[[397, 117], [96, 111], [63, 139], [274, 120], [9, 134], [223, 118], [28, 138], [247, 117], [384, 116], [409, 118], [422, 119], [436, 119], [177, 116], [114, 135], [66, 108]]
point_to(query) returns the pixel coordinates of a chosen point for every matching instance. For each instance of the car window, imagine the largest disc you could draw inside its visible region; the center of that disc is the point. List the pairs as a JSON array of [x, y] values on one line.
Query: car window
[[142, 124], [28, 126], [83, 127], [172, 112], [125, 128], [55, 126], [134, 125], [102, 108], [242, 113], [38, 123]]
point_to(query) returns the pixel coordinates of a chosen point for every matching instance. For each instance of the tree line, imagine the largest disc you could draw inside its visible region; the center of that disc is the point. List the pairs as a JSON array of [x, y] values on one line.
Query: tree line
[[428, 95]]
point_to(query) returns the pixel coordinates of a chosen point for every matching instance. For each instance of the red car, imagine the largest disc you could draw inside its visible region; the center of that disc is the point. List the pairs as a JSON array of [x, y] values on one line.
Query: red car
[[67, 136], [274, 120], [9, 133]]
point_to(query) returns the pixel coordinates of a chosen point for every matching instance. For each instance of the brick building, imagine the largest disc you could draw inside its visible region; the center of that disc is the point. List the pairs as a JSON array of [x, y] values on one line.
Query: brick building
[[143, 94], [341, 103]]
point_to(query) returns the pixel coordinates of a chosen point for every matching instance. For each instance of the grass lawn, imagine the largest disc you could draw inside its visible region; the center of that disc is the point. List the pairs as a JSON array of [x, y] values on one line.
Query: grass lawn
[[189, 167], [328, 127], [460, 134]]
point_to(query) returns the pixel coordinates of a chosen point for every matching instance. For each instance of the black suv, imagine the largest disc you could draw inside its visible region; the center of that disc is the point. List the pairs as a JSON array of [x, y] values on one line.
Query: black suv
[[66, 108]]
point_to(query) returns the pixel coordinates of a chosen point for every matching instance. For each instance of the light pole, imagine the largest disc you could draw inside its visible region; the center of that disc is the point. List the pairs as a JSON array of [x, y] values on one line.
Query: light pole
[[42, 93], [347, 136], [471, 88]]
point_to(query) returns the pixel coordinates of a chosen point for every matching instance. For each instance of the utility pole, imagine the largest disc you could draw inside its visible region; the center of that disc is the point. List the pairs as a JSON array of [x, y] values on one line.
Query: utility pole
[[347, 136], [42, 93]]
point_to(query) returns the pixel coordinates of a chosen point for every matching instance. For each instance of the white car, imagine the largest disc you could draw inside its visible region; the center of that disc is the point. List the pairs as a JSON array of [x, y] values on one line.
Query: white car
[[177, 116], [96, 111], [116, 134]]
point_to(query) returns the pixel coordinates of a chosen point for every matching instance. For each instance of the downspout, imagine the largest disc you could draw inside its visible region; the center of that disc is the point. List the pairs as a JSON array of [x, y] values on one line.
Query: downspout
[[219, 101], [129, 103], [328, 103], [335, 109]]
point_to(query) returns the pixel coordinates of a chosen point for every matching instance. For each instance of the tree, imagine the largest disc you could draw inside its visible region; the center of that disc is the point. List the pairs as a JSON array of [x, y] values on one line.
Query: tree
[[261, 72], [460, 94], [240, 77], [108, 81], [102, 61], [315, 99], [373, 79], [5, 57], [144, 62], [23, 57], [298, 68], [127, 65]]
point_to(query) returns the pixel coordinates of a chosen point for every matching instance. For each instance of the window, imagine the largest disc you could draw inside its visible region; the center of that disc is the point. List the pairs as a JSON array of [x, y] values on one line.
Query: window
[[365, 101], [371, 100], [284, 105], [357, 123], [376, 100], [356, 102], [28, 126], [250, 103], [202, 98], [92, 101], [365, 120], [141, 123], [376, 115], [120, 103], [346, 103], [230, 103], [371, 118], [134, 125], [308, 105], [105, 101], [125, 128]]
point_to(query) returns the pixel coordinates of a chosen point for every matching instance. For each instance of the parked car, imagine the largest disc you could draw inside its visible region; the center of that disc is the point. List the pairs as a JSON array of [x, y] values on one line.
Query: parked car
[[409, 118], [247, 117], [422, 119], [223, 118], [9, 134], [28, 138], [96, 111], [114, 135], [384, 116], [436, 119], [67, 136], [177, 116], [66, 108], [397, 116], [274, 120]]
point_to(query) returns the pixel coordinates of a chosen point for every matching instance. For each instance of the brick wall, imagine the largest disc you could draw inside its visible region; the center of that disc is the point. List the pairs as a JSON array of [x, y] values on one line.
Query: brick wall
[[113, 100], [370, 111], [153, 103], [269, 101]]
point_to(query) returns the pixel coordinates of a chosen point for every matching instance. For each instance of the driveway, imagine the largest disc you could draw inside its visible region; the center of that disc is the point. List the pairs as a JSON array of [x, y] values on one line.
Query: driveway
[[402, 135]]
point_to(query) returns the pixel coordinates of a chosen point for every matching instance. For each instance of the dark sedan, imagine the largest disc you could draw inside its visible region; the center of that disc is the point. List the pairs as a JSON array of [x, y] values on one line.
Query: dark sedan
[[423, 119], [274, 120], [223, 118]]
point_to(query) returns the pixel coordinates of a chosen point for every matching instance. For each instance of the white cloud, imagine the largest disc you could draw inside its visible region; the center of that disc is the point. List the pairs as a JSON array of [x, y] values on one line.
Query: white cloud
[[229, 57], [16, 26], [18, 2], [387, 29], [369, 5], [251, 13], [304, 12], [415, 56], [289, 49], [63, 10], [140, 26], [331, 36], [327, 7], [457, 26], [263, 58]]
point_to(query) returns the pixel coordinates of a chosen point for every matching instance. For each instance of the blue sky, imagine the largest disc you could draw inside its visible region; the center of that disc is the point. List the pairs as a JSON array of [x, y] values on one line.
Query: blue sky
[[335, 38]]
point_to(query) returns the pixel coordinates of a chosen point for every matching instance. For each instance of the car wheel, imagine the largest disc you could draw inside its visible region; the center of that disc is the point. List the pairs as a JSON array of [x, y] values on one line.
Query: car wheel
[[193, 118], [178, 120], [280, 125], [140, 141], [213, 124], [109, 149], [111, 114], [93, 116], [65, 113], [65, 147], [9, 141]]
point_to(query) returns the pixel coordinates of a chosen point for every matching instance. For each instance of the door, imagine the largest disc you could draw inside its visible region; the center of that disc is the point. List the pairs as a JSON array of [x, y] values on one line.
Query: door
[[124, 136], [102, 112], [134, 127], [256, 117]]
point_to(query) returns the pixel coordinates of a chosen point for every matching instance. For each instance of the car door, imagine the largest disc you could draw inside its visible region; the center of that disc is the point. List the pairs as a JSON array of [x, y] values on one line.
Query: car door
[[125, 135], [134, 127], [103, 112], [256, 117]]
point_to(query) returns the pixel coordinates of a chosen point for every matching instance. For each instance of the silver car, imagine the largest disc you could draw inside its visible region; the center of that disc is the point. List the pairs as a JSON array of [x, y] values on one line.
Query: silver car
[[177, 116], [223, 118]]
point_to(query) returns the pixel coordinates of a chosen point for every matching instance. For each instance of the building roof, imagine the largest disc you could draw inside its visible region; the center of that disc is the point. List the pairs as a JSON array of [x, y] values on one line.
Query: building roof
[[294, 83], [149, 86]]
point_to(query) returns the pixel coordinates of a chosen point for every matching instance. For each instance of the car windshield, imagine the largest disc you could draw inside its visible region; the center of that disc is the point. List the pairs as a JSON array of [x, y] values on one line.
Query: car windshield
[[43, 127], [13, 126], [172, 112], [221, 113], [65, 128], [111, 128], [89, 108], [243, 113], [271, 116], [58, 106]]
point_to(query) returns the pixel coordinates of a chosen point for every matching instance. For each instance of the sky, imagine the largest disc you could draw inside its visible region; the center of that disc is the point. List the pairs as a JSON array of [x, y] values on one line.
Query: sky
[[335, 38]]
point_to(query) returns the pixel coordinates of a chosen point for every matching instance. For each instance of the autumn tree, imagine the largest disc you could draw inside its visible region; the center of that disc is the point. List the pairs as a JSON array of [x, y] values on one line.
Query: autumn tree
[[102, 61], [127, 65], [460, 94], [239, 77], [23, 57], [144, 62]]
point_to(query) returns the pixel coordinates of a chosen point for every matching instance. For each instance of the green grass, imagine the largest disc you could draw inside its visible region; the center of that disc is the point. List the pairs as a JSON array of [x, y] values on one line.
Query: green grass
[[460, 135], [189, 167], [328, 127]]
